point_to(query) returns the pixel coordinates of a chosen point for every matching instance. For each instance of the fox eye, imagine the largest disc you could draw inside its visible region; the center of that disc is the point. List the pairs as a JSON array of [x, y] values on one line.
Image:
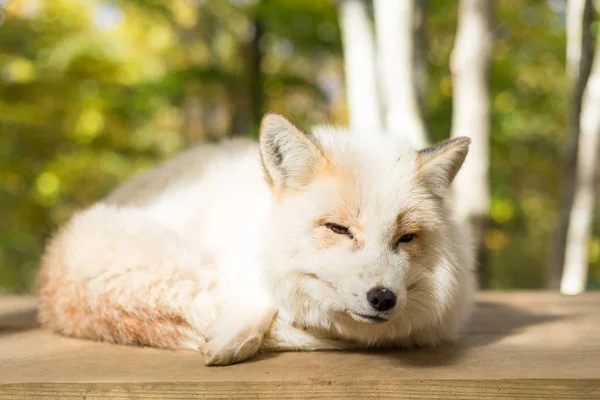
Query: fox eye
[[339, 229], [406, 238]]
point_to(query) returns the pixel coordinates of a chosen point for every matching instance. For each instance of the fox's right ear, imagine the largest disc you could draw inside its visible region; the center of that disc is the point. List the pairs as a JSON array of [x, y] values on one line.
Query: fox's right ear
[[289, 155]]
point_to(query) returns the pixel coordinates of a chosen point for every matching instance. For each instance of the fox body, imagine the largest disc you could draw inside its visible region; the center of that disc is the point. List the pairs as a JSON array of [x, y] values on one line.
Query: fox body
[[329, 240]]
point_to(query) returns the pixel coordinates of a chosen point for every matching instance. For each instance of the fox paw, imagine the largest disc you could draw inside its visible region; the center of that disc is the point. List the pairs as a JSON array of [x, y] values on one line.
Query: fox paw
[[225, 349]]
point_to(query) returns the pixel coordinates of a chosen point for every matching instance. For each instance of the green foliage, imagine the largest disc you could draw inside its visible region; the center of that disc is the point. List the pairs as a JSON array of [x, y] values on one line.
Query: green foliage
[[94, 91], [529, 115]]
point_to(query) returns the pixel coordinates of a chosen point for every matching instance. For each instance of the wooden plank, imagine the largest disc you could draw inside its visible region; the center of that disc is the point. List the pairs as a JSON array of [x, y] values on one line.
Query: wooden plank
[[402, 389], [523, 344]]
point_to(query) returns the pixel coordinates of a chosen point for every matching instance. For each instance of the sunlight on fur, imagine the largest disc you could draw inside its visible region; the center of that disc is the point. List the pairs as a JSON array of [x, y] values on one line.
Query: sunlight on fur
[[328, 240]]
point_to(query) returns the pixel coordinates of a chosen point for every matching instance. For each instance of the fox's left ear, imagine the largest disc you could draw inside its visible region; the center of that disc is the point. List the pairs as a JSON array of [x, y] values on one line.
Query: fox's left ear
[[289, 155], [440, 164]]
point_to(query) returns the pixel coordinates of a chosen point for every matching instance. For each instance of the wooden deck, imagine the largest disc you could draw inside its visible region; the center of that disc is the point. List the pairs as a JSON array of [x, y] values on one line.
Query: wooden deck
[[520, 345]]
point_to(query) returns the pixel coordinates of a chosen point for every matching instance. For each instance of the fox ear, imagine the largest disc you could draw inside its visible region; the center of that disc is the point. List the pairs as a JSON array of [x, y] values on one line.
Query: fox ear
[[289, 155], [440, 164]]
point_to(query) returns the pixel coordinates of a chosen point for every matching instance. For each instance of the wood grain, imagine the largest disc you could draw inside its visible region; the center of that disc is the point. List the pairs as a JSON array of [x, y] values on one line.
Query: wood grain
[[519, 345], [430, 389]]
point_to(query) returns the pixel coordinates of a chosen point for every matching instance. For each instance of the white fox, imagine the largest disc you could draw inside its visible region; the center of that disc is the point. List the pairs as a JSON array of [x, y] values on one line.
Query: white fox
[[330, 240]]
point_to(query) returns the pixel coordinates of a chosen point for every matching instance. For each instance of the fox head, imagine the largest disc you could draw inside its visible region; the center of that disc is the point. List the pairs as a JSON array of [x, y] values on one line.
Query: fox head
[[359, 229]]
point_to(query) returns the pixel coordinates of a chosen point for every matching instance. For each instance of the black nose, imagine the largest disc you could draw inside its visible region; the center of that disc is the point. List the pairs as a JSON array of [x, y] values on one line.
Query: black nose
[[381, 299]]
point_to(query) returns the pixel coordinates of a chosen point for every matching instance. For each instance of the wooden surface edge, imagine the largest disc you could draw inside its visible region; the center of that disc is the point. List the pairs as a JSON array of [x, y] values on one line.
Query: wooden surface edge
[[398, 389]]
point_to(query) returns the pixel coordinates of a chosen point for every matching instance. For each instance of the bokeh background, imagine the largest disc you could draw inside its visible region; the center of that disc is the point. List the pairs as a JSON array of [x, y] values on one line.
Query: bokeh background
[[92, 92]]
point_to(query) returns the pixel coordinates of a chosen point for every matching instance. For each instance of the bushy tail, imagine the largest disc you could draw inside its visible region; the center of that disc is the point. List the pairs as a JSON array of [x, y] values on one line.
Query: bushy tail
[[115, 275]]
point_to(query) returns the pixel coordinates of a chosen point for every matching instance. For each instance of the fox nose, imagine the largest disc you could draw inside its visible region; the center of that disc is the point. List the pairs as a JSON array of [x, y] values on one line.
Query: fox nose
[[381, 299]]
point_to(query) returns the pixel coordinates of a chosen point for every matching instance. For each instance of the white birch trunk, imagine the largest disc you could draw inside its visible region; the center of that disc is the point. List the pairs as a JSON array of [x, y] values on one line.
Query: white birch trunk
[[580, 15], [575, 29], [471, 117], [582, 213], [359, 65], [394, 32]]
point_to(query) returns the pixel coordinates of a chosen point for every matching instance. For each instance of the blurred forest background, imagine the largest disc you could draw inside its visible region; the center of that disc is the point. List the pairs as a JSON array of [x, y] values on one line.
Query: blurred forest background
[[94, 91]]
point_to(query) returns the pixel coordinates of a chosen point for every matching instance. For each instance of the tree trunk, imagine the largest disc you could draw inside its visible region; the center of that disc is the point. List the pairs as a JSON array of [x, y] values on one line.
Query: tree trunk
[[248, 103], [574, 277], [359, 65], [394, 26], [470, 64], [579, 58], [193, 130], [255, 76]]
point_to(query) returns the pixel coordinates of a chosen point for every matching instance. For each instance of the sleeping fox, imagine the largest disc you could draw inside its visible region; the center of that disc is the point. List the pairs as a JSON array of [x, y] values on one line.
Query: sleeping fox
[[303, 241]]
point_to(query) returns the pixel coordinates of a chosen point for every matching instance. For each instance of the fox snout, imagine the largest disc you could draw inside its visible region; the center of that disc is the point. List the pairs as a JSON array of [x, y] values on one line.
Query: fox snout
[[381, 299]]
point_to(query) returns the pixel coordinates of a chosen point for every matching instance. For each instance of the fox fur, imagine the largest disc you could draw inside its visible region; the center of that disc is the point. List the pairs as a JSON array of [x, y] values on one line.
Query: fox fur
[[243, 247]]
